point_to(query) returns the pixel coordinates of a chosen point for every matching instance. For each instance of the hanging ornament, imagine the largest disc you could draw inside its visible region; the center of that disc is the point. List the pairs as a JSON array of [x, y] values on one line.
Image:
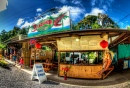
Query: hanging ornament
[[32, 41], [104, 44], [38, 45]]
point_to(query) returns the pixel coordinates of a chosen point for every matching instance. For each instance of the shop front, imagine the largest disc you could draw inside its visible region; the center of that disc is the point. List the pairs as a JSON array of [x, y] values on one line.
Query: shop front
[[83, 58]]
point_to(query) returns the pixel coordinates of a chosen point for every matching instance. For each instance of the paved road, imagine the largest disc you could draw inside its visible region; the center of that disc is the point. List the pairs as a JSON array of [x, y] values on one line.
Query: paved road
[[16, 78]]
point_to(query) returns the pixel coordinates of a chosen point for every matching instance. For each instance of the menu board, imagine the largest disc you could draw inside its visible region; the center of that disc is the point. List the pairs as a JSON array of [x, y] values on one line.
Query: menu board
[[84, 43]]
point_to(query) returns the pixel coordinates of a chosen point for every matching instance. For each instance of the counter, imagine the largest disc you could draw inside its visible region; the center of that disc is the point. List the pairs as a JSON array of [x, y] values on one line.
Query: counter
[[82, 70]]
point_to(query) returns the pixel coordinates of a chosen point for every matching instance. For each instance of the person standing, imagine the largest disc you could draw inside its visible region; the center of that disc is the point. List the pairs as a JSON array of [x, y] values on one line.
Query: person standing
[[14, 58], [21, 62]]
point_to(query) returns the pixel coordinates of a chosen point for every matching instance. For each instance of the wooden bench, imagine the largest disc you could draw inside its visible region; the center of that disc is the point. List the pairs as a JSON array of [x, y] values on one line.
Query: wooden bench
[[46, 69]]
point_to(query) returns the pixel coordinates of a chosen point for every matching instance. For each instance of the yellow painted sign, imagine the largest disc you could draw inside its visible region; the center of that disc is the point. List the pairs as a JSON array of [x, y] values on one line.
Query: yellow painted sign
[[84, 43]]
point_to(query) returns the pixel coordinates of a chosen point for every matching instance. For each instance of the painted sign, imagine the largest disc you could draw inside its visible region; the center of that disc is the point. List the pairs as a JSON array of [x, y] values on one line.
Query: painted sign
[[38, 73], [125, 64], [129, 63], [32, 41], [51, 23], [84, 43]]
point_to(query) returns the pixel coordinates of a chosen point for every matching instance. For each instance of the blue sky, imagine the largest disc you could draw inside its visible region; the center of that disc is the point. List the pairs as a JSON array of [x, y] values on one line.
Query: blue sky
[[21, 13]]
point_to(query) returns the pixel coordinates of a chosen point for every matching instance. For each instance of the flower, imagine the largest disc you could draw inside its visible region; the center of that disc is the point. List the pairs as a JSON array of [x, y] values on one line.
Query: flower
[[66, 69]]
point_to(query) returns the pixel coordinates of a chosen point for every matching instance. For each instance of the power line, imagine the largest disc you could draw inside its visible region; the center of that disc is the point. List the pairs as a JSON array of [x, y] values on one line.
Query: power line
[[123, 18], [24, 10], [33, 17], [55, 2]]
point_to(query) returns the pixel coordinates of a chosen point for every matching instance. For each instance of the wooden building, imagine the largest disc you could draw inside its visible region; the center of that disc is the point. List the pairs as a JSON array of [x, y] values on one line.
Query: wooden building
[[81, 41]]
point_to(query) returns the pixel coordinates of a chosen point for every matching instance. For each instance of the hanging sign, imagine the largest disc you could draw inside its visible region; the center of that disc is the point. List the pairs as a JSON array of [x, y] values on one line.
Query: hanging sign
[[92, 42], [56, 22], [38, 73], [32, 41]]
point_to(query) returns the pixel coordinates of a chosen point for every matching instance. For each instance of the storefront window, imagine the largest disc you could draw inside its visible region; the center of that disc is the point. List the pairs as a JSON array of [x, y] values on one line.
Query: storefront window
[[90, 57]]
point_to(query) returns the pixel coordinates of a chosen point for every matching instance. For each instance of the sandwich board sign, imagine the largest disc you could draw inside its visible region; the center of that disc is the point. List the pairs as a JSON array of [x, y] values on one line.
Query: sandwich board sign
[[38, 73]]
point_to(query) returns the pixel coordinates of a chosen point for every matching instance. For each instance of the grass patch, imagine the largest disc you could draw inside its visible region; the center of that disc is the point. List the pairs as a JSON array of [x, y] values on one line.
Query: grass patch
[[3, 64]]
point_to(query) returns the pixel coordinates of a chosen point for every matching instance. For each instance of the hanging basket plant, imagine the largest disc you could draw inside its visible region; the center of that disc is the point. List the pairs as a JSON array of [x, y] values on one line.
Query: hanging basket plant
[[38, 45], [104, 44]]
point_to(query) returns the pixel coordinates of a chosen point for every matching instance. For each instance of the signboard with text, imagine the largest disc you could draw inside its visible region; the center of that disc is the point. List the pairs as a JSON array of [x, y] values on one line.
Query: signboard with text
[[38, 73], [84, 43], [56, 22]]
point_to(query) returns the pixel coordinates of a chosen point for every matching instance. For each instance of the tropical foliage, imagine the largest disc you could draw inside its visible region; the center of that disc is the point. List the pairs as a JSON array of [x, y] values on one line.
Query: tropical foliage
[[2, 46], [95, 22], [4, 35], [4, 64]]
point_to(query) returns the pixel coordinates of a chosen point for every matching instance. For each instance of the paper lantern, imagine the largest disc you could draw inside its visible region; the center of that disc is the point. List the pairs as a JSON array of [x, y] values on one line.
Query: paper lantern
[[104, 44], [38, 45]]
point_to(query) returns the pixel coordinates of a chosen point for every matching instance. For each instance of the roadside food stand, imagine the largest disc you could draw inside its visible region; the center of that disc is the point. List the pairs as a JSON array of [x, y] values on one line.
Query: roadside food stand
[[89, 63], [81, 50], [85, 43]]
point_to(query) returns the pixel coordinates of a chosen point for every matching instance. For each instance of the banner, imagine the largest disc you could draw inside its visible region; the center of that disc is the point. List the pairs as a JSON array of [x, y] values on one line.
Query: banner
[[49, 24]]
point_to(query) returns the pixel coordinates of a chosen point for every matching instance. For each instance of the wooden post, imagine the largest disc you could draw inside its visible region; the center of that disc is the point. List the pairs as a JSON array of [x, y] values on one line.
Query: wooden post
[[53, 55], [73, 57], [59, 63], [34, 55]]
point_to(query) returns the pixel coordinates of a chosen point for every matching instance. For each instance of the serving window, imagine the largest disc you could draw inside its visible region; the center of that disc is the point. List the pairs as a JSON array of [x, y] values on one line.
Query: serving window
[[88, 57]]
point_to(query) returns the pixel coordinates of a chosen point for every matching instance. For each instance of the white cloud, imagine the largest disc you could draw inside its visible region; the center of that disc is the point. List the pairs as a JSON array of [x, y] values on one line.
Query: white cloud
[[105, 4], [26, 24], [20, 21], [3, 4], [75, 12], [39, 10], [76, 2], [101, 2], [105, 7], [62, 1], [95, 11], [93, 2], [38, 14]]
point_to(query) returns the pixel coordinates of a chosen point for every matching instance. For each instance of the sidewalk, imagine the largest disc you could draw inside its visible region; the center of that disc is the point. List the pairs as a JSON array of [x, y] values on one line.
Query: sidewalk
[[114, 80]]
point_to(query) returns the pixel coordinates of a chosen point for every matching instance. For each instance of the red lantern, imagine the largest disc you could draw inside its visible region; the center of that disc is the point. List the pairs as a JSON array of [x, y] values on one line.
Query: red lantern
[[38, 45], [104, 44]]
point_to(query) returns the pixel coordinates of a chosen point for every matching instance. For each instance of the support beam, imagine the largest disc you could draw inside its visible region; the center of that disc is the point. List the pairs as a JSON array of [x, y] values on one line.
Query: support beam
[[117, 39], [58, 63], [120, 41], [103, 34]]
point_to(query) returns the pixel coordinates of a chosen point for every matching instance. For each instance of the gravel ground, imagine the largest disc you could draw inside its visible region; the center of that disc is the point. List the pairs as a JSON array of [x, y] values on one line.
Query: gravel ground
[[16, 78]]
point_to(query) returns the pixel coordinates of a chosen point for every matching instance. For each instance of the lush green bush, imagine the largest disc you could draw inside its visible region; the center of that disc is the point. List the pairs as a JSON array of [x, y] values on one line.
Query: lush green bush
[[3, 63]]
